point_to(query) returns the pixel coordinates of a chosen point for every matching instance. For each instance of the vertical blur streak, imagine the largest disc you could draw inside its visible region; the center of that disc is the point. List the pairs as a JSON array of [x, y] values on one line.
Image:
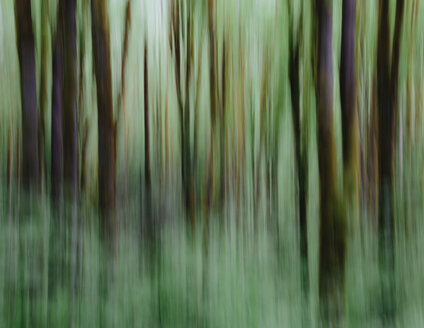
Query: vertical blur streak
[[122, 93], [147, 173], [25, 45], [70, 142], [213, 101], [105, 122], [300, 154], [56, 128], [43, 89], [350, 122], [385, 135], [387, 76], [332, 225]]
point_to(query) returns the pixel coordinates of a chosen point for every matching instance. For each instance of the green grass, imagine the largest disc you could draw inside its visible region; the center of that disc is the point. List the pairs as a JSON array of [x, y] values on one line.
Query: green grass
[[55, 271]]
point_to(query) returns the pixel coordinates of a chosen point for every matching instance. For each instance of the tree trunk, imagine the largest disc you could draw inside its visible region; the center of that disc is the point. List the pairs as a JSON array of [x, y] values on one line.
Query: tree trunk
[[70, 132], [105, 121], [43, 92], [332, 226], [350, 122], [56, 128], [185, 34], [213, 94], [387, 79], [147, 172], [25, 46], [300, 155]]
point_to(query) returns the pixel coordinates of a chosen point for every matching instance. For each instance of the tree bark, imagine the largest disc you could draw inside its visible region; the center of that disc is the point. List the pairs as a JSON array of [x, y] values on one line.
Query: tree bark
[[70, 130], [387, 80], [105, 121], [56, 124], [25, 46], [332, 225], [350, 122], [43, 90], [300, 154], [185, 34]]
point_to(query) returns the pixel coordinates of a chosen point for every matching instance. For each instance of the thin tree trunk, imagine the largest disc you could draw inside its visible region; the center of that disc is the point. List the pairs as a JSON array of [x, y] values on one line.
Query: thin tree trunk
[[121, 96], [105, 121], [332, 226], [25, 46], [83, 125], [56, 124], [147, 171], [70, 130], [350, 123], [43, 92], [387, 79], [213, 100], [185, 34], [300, 155]]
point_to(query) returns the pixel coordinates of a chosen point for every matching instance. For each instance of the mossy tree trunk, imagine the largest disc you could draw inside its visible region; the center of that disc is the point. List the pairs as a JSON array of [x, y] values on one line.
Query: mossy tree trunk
[[56, 117], [332, 237], [387, 89], [43, 89], [350, 122], [181, 43], [299, 147]]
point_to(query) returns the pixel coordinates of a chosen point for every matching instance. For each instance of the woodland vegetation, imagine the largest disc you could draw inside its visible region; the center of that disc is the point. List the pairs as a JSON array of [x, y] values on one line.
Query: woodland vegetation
[[214, 163]]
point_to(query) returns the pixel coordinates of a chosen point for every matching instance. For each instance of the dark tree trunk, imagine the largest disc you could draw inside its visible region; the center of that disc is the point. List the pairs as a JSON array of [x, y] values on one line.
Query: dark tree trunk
[[300, 154], [43, 92], [121, 96], [25, 46], [56, 128], [70, 132], [387, 83], [213, 94], [185, 34], [332, 226], [350, 127], [105, 121], [385, 149]]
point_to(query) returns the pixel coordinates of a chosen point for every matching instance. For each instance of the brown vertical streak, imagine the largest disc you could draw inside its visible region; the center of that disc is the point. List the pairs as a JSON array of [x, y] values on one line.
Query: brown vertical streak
[[105, 121], [70, 132], [43, 92], [56, 117], [121, 95], [332, 226], [347, 84], [26, 54], [300, 158]]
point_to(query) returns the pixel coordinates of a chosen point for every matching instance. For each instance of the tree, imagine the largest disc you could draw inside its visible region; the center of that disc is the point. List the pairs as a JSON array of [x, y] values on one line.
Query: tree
[[69, 97], [25, 46], [56, 116], [299, 145], [105, 121], [43, 89], [350, 122], [181, 43], [387, 91], [332, 236], [217, 96]]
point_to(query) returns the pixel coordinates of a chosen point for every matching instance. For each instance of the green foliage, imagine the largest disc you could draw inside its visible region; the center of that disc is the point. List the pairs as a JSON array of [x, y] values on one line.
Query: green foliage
[[53, 271]]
